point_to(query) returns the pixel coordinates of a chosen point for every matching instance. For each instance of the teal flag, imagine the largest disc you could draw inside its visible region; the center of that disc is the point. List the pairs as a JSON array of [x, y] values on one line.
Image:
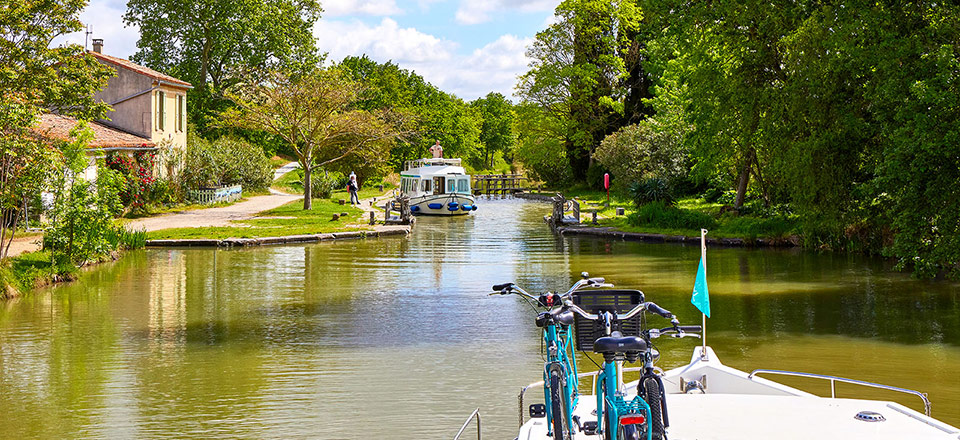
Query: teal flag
[[701, 298]]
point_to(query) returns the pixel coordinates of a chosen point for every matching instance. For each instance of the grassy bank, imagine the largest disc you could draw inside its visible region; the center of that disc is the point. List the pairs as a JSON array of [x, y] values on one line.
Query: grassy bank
[[30, 271], [685, 218], [289, 219]]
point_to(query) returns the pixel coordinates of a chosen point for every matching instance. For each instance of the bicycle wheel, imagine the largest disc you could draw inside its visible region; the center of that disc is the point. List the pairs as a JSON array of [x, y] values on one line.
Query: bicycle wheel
[[557, 406], [651, 393]]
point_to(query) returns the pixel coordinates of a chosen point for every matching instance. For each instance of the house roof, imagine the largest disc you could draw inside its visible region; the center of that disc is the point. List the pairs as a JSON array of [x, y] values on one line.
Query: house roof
[[57, 127], [129, 65]]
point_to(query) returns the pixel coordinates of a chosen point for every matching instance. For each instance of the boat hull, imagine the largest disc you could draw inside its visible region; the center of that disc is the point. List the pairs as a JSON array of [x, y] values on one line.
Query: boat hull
[[439, 204]]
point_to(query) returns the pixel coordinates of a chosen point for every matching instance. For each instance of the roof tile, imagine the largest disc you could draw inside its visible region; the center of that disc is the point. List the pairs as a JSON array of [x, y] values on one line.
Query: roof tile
[[129, 65], [58, 127]]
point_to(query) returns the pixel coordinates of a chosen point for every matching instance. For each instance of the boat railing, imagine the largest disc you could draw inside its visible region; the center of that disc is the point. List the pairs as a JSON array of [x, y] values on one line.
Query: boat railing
[[834, 379], [440, 161], [473, 416], [592, 374]]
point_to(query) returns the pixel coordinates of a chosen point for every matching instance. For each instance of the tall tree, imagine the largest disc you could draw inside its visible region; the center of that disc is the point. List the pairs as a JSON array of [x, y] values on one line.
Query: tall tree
[[207, 42], [578, 70], [37, 78], [316, 114], [497, 132]]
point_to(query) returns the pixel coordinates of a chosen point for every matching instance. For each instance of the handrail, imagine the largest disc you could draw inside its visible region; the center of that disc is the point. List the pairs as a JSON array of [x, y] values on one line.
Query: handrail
[[593, 374], [834, 379], [476, 413]]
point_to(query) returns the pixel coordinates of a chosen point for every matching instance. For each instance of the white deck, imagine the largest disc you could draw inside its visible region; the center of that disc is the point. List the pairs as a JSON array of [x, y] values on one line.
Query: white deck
[[737, 407]]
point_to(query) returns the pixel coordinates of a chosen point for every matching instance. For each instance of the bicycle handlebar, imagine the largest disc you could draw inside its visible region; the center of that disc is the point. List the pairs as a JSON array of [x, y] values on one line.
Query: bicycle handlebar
[[502, 286]]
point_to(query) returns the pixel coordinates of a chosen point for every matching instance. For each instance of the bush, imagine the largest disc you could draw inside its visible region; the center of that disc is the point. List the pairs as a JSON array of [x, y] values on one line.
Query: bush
[[649, 190], [138, 174], [595, 176], [660, 215], [642, 150], [225, 161]]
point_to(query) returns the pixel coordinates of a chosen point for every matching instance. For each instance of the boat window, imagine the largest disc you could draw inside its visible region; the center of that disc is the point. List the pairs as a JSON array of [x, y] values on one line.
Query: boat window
[[403, 184], [451, 186], [463, 186], [426, 186]]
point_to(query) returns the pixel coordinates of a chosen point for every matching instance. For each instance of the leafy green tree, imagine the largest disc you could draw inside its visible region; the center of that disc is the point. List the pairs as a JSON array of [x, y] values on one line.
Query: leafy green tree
[[540, 146], [37, 78], [316, 114], [497, 131], [578, 71], [81, 221], [640, 151], [208, 43]]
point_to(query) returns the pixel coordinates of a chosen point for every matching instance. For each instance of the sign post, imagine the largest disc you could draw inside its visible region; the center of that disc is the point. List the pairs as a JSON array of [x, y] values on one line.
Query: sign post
[[606, 186]]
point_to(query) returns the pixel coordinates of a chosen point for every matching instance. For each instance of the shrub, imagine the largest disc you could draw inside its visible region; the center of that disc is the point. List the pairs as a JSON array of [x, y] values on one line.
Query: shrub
[[225, 161], [642, 150], [660, 215], [649, 190], [138, 175]]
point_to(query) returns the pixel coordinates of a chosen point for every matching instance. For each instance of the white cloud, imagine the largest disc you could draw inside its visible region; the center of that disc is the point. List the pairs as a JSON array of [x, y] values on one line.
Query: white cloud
[[386, 41], [336, 8], [480, 11], [493, 67], [106, 20]]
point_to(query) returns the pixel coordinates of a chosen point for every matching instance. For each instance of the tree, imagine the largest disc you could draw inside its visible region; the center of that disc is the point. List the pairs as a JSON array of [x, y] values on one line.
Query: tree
[[433, 115], [578, 71], [208, 42], [497, 130], [37, 78], [315, 112]]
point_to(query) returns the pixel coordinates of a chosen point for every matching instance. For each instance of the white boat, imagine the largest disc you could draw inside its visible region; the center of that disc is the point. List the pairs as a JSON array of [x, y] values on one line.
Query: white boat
[[708, 400], [437, 186]]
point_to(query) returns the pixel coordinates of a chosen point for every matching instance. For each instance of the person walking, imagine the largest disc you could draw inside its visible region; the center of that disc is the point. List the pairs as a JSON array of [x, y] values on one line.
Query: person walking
[[353, 186]]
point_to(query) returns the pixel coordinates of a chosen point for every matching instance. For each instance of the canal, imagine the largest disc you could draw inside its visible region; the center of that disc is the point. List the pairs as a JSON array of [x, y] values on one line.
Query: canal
[[396, 337]]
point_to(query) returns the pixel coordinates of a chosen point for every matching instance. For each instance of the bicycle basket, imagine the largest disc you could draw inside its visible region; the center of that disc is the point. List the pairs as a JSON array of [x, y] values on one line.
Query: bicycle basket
[[617, 301]]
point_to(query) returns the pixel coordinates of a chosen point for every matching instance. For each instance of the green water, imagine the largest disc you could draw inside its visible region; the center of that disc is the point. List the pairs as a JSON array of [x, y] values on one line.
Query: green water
[[396, 338]]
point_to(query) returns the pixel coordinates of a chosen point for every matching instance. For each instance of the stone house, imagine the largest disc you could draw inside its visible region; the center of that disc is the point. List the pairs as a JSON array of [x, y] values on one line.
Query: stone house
[[145, 102]]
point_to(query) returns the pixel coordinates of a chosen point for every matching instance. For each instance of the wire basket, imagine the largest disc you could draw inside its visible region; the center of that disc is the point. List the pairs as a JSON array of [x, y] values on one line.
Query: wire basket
[[595, 301]]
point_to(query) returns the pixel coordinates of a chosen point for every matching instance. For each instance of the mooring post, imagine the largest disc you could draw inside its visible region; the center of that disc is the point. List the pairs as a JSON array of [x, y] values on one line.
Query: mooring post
[[373, 218]]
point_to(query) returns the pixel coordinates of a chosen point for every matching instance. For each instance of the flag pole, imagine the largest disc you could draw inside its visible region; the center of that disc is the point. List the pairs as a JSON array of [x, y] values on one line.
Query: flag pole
[[703, 330]]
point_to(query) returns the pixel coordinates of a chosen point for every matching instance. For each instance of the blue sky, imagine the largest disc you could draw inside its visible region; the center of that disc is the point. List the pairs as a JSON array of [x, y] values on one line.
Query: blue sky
[[466, 47]]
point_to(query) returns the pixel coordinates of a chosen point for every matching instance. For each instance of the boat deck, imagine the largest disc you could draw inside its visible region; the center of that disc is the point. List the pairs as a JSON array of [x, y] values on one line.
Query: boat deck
[[753, 417]]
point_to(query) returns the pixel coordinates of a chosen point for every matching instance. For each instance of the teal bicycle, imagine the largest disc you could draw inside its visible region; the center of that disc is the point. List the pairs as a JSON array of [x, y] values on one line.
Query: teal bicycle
[[560, 386], [601, 319]]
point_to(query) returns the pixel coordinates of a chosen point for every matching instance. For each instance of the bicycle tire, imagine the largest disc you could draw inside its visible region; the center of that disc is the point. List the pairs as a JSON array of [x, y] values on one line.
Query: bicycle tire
[[556, 407], [651, 394]]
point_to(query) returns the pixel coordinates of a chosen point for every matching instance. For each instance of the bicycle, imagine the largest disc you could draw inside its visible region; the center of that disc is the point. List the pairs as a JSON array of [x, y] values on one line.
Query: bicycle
[[650, 385], [617, 418], [560, 394]]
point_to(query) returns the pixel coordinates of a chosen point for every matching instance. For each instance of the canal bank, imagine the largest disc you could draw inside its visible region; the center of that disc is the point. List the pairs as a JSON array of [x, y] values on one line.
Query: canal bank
[[365, 338]]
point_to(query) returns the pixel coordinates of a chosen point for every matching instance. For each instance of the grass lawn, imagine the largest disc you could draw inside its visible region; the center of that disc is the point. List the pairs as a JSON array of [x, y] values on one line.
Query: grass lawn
[[160, 209], [289, 219], [689, 212]]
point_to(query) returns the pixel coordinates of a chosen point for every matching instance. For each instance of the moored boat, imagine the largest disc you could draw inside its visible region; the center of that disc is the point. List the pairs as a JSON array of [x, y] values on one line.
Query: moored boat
[[438, 186]]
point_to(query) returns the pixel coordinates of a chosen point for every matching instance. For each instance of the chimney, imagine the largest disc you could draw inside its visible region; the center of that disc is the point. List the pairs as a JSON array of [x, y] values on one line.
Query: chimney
[[98, 45]]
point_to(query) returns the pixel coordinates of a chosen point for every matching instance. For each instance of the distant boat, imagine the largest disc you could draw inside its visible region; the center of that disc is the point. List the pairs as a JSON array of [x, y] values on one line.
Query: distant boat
[[437, 186]]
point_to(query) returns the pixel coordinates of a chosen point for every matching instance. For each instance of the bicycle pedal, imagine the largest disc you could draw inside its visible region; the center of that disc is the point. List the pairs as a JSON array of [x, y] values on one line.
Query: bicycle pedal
[[589, 428]]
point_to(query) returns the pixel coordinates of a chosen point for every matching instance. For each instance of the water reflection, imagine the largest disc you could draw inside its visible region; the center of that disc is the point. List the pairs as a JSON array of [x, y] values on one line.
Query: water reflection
[[396, 337]]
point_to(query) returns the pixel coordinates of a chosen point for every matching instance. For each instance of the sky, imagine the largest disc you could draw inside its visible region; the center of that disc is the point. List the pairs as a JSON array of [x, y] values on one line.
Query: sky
[[465, 47]]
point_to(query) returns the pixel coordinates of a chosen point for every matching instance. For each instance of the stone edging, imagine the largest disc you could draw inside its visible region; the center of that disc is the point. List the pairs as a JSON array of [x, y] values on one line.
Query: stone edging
[[265, 241], [663, 238]]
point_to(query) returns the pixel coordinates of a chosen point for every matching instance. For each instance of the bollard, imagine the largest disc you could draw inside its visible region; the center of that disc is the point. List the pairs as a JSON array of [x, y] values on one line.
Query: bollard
[[620, 211], [372, 219], [336, 217], [594, 217], [380, 187], [343, 202]]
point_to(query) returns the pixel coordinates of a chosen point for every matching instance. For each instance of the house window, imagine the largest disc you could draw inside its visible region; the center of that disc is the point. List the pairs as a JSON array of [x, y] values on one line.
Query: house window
[[160, 111], [181, 112]]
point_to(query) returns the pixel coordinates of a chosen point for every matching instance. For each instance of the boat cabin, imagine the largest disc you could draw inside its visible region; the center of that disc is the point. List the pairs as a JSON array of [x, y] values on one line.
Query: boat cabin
[[434, 177]]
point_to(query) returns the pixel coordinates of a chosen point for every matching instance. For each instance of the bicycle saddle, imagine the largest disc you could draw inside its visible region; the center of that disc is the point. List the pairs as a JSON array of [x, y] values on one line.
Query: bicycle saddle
[[621, 344]]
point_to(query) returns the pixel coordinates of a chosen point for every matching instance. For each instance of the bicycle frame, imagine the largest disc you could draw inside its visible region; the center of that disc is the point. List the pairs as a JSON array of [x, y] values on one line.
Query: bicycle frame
[[559, 356], [611, 403]]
